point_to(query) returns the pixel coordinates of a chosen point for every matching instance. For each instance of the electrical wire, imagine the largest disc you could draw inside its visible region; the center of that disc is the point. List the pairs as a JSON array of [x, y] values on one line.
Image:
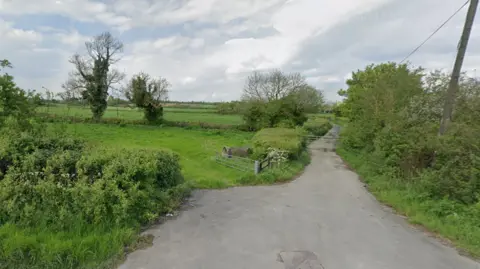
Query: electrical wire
[[438, 29]]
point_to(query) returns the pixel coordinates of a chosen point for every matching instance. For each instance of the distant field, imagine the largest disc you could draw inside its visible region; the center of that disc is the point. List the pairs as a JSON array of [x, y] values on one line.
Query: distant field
[[188, 105], [195, 147], [172, 114]]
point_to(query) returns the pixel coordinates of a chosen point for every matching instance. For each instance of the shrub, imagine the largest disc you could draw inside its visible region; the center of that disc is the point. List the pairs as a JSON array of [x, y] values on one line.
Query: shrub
[[284, 112], [290, 140], [230, 108], [54, 189], [118, 187], [254, 115], [317, 126]]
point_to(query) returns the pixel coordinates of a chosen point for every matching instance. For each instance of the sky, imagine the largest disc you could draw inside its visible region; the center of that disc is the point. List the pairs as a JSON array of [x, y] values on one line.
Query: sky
[[206, 48]]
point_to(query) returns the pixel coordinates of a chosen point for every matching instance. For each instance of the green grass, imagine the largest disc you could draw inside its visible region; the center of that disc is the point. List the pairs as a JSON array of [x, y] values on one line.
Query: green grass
[[195, 147], [93, 247], [461, 228], [172, 114], [204, 117], [99, 248]]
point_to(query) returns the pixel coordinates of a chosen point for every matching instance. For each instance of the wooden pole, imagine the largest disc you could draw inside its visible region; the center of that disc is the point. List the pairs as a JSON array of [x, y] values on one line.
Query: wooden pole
[[453, 85]]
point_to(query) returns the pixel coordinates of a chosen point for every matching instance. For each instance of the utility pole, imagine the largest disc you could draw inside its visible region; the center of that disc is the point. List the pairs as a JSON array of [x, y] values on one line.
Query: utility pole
[[453, 85]]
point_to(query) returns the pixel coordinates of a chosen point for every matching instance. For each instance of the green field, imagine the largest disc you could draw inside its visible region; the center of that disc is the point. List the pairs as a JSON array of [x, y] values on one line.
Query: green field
[[170, 113], [195, 147]]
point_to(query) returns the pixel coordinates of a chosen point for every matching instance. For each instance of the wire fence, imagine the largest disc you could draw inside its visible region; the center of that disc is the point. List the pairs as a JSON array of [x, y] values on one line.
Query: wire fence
[[235, 162]]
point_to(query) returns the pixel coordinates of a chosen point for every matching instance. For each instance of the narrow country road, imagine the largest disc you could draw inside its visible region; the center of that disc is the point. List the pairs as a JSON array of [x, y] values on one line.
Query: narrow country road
[[324, 219]]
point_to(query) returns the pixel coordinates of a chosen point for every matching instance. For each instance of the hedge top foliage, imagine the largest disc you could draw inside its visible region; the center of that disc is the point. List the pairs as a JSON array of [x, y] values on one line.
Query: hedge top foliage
[[290, 140], [317, 126], [115, 187]]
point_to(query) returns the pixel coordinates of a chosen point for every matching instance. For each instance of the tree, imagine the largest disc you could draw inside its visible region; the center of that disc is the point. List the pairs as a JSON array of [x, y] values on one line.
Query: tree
[[254, 115], [273, 85], [149, 94], [374, 98], [13, 100], [284, 112], [310, 98], [93, 76]]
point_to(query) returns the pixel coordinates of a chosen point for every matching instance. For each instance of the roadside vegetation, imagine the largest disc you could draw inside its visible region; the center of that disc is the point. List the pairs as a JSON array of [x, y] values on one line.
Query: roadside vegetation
[[392, 141], [82, 172]]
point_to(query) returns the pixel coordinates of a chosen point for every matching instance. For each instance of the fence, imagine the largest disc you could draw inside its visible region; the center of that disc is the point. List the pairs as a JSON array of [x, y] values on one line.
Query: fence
[[262, 165], [312, 138], [327, 142], [235, 162], [244, 164]]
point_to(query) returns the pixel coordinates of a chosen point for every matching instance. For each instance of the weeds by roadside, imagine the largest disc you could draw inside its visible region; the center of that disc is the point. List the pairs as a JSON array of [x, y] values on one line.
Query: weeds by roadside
[[450, 220]]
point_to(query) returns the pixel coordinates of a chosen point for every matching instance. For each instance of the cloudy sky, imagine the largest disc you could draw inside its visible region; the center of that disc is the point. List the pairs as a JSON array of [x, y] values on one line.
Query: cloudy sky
[[206, 48]]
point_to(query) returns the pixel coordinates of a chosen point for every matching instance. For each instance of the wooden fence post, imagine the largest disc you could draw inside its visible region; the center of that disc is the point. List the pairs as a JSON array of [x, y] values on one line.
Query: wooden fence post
[[257, 167]]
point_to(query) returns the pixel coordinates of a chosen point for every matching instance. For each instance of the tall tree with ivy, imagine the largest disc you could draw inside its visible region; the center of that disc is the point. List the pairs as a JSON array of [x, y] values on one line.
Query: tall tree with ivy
[[93, 75]]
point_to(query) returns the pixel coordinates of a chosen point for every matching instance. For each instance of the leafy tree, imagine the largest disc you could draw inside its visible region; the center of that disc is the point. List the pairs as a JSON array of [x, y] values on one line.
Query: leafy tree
[[13, 100], [284, 112], [310, 99], [275, 99], [254, 115], [394, 116], [375, 95], [93, 75], [148, 94], [338, 109]]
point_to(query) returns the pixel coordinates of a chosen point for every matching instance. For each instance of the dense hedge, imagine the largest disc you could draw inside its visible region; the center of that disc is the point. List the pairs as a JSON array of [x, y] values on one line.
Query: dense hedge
[[393, 136], [317, 126], [290, 140], [52, 184]]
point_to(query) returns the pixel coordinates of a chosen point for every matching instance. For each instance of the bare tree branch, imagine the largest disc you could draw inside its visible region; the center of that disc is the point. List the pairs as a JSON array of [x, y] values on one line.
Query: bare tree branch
[[159, 89], [104, 47], [252, 88], [272, 86]]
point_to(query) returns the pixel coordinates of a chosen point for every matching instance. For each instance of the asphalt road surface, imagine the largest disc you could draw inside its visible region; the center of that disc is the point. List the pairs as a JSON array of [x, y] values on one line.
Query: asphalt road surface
[[325, 219]]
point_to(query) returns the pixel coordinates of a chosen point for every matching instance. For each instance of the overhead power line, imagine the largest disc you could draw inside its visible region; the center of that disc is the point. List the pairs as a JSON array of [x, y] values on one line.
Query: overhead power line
[[438, 29]]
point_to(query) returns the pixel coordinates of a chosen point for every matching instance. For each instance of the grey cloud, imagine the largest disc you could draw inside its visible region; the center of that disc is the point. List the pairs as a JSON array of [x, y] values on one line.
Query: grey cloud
[[388, 33]]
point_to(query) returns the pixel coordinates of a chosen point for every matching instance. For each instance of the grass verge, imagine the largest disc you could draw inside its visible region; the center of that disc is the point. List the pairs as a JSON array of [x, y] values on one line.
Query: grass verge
[[455, 223], [82, 246]]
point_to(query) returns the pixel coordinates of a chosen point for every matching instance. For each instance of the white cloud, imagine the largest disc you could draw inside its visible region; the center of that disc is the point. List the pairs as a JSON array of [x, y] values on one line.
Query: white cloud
[[188, 80], [17, 37], [207, 47]]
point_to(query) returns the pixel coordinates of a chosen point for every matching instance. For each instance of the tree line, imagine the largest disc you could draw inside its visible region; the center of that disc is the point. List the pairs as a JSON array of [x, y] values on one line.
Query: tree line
[[94, 81], [395, 113]]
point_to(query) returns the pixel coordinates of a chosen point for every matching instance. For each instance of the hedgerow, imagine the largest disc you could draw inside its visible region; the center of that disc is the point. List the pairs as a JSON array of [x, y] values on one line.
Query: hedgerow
[[394, 114], [66, 205], [290, 140], [317, 126]]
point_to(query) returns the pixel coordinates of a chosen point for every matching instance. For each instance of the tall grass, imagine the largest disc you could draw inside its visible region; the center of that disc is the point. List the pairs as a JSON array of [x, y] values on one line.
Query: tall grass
[[453, 221]]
